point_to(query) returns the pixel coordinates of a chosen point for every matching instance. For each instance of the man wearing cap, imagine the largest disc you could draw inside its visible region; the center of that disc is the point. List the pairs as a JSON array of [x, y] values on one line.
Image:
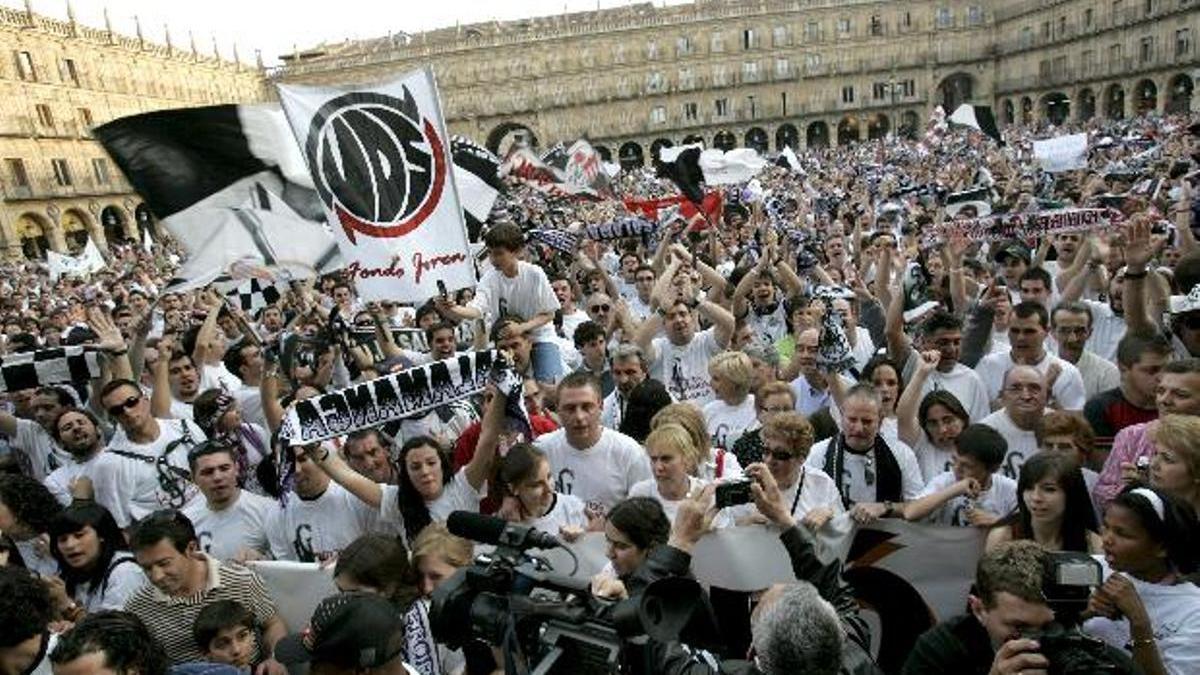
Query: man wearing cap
[[355, 633], [1013, 258]]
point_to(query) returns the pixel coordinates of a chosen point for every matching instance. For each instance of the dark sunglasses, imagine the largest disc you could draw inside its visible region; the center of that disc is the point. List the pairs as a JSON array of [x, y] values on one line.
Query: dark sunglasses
[[127, 404], [601, 308], [779, 455]]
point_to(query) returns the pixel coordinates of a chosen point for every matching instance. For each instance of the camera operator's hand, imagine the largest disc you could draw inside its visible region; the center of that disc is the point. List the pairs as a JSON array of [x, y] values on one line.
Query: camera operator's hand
[[765, 492], [1118, 598], [609, 587], [1019, 657], [693, 519]]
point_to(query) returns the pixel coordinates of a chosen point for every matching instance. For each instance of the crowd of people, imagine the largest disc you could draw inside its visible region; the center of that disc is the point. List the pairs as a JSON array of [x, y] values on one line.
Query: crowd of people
[[836, 337]]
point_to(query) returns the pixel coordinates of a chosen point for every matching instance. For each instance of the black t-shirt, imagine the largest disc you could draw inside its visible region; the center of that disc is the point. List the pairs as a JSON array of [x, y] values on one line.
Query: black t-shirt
[[958, 646]]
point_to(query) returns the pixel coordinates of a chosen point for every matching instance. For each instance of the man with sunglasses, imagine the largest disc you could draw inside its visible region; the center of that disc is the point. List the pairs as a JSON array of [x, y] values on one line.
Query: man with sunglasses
[[146, 465]]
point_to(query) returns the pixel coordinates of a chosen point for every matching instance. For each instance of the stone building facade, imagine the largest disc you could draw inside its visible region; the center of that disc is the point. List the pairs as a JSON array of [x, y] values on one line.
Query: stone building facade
[[770, 73], [59, 79]]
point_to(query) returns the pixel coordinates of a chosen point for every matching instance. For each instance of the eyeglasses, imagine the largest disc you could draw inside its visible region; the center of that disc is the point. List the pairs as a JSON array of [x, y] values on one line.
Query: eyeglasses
[[601, 308], [779, 455], [127, 404]]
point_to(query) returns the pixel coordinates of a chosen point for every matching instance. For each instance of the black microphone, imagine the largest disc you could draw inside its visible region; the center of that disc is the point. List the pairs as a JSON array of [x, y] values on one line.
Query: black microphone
[[498, 532]]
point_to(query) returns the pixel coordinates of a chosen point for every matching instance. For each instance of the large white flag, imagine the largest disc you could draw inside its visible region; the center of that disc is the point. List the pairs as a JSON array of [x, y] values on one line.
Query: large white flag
[[726, 168], [380, 160]]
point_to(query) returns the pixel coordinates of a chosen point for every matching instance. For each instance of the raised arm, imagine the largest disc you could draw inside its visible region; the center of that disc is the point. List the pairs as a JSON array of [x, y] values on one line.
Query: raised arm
[[909, 405], [898, 343], [355, 483], [160, 395], [722, 321], [492, 425], [202, 353], [1137, 257]]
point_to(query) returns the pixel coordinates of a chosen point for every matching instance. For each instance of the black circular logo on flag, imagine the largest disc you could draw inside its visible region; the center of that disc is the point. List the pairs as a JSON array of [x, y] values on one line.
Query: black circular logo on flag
[[378, 164]]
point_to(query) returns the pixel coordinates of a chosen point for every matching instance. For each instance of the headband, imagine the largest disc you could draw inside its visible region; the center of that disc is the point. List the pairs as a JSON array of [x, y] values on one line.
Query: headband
[[1151, 496]]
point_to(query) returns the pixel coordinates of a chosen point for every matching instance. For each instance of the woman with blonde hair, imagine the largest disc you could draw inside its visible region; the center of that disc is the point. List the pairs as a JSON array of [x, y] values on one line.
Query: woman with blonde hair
[[436, 556], [673, 459], [1175, 466], [710, 465], [732, 410]]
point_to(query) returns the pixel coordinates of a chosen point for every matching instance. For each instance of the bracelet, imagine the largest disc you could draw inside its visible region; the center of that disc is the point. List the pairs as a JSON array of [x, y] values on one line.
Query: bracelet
[[121, 352], [1134, 643], [1135, 275]]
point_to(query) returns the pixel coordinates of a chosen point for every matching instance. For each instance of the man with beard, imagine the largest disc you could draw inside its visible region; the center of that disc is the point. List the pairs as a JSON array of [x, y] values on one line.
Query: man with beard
[[1071, 324], [366, 452], [628, 371], [229, 522], [1024, 396], [34, 440], [77, 431], [873, 477], [176, 383]]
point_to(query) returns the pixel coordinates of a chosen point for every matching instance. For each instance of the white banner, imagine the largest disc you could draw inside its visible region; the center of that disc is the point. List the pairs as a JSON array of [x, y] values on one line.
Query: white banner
[[1061, 153], [297, 588], [87, 262], [728, 168], [380, 160]]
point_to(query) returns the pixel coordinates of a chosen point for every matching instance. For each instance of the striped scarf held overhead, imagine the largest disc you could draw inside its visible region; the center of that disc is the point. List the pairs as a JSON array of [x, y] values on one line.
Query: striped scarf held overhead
[[44, 367]]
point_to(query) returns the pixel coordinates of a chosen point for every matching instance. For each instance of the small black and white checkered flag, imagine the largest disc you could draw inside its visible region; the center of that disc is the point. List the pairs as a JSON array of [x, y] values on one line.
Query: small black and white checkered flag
[[250, 295], [59, 365]]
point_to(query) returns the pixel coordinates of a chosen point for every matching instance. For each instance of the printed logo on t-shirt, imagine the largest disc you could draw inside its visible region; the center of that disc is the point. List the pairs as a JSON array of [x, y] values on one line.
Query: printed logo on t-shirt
[[206, 541], [720, 434], [303, 544], [1013, 463], [565, 481]]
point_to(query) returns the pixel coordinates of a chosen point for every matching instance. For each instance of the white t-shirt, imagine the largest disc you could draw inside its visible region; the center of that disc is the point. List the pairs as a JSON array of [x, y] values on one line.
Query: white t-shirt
[[864, 347], [1107, 330], [684, 370], [1098, 375], [308, 530], [59, 481], [527, 294], [1021, 444], [862, 486], [612, 409], [217, 376], [124, 577], [457, 495], [961, 381], [566, 511], [241, 526], [600, 475], [770, 326], [649, 488], [999, 499], [1068, 387], [249, 400], [726, 423], [1174, 613], [38, 453], [571, 321], [933, 460], [132, 488]]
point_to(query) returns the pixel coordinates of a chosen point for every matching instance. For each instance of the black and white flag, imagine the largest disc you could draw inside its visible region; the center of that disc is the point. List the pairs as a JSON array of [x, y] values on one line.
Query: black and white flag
[[250, 295], [230, 185], [477, 176], [682, 165], [59, 365], [978, 117], [409, 392]]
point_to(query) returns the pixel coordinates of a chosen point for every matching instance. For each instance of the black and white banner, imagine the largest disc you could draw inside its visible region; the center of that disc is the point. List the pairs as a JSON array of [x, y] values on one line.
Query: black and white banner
[[230, 185], [1029, 225], [403, 394], [380, 159], [477, 176], [59, 365], [249, 295]]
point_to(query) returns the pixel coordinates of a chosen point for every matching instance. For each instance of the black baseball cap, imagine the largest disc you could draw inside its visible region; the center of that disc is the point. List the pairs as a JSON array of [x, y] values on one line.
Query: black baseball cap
[[1014, 249], [354, 630]]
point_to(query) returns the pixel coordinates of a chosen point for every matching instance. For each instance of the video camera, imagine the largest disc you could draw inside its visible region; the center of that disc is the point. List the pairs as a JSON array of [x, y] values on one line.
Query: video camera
[[548, 623], [1067, 583]]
